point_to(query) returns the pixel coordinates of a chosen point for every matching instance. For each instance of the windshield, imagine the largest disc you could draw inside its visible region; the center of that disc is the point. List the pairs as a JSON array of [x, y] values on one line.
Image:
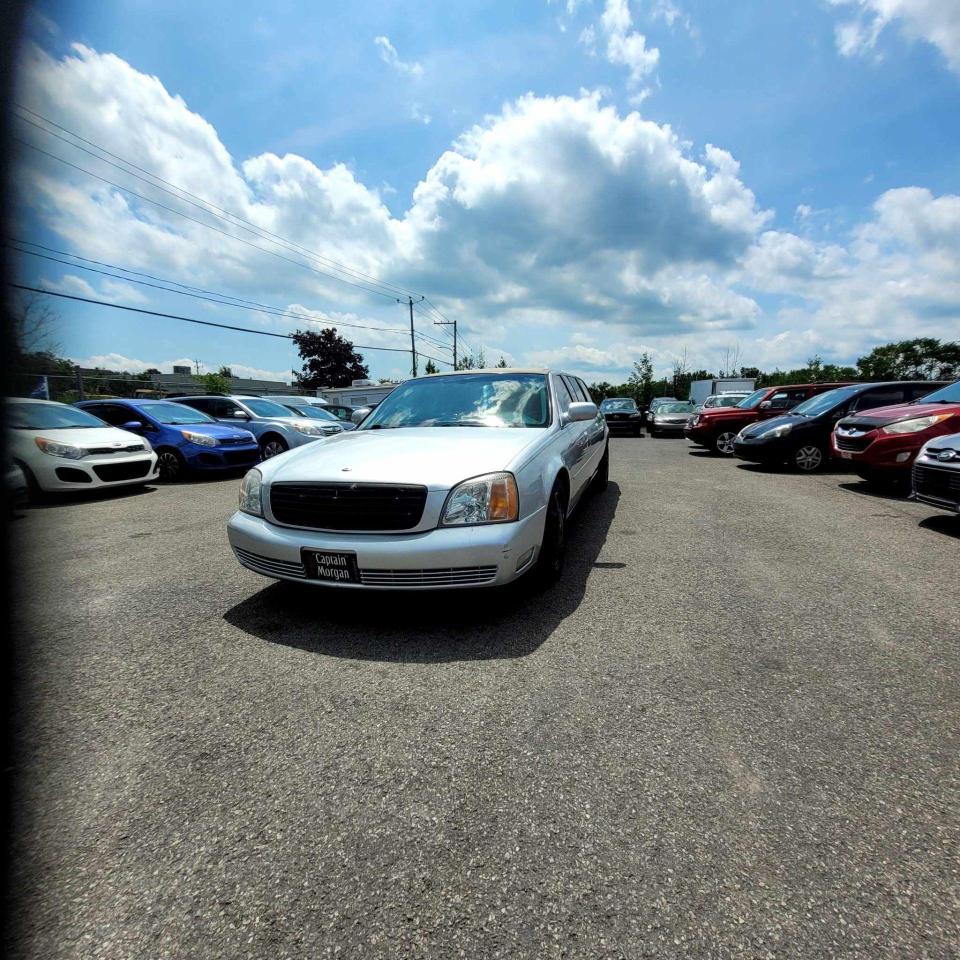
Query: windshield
[[51, 416], [175, 413], [950, 394], [267, 408], [748, 403], [310, 412], [469, 400], [825, 401], [679, 407], [627, 406]]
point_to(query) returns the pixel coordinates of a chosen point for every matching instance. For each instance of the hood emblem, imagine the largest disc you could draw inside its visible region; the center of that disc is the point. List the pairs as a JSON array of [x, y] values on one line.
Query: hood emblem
[[345, 469], [946, 455]]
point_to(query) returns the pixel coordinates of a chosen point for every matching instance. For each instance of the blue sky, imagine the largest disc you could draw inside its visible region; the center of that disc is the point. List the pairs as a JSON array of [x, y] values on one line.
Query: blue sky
[[576, 182]]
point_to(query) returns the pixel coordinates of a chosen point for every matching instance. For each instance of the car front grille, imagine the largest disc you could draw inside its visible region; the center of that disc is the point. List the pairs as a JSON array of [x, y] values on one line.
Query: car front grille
[[853, 444], [347, 506], [111, 472], [936, 482], [270, 567], [232, 441], [441, 576], [111, 451]]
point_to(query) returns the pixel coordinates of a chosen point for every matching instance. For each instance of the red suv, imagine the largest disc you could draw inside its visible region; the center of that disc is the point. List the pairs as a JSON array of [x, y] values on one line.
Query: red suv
[[881, 444], [717, 428]]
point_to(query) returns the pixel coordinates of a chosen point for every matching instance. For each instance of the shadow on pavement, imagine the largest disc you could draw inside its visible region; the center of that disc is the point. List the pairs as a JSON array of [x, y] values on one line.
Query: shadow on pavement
[[877, 491], [437, 626], [942, 523], [47, 501]]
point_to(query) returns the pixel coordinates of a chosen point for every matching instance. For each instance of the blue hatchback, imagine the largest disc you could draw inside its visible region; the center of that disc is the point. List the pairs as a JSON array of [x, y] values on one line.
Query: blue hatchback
[[183, 438]]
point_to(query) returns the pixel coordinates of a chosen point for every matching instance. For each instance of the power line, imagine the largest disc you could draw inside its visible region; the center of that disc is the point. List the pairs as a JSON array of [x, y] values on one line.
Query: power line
[[202, 203]]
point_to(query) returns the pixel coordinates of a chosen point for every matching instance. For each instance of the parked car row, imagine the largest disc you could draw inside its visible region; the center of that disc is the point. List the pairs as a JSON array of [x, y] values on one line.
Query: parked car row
[[897, 433], [119, 442]]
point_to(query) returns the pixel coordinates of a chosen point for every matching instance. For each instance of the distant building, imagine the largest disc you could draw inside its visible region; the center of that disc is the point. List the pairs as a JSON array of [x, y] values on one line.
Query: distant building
[[182, 381], [358, 394]]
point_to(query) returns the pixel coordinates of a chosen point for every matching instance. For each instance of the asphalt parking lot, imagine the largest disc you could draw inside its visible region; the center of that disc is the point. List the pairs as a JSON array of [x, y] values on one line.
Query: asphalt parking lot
[[731, 731]]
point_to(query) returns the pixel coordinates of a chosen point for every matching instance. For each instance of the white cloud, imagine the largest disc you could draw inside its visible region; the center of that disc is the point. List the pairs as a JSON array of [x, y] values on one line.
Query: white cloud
[[109, 290], [935, 21], [625, 46], [555, 216], [389, 55]]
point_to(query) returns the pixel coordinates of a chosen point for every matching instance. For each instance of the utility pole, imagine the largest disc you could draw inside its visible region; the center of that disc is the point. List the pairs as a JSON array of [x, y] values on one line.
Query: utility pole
[[450, 323], [413, 343]]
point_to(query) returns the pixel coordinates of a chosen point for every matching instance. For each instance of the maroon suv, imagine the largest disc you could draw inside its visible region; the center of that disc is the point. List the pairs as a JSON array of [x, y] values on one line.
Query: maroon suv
[[717, 428]]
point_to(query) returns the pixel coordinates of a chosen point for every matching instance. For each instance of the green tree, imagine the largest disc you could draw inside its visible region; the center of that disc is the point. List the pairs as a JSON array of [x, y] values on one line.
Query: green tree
[[213, 383], [431, 367], [924, 358], [225, 372], [472, 361], [329, 360], [641, 379], [502, 364]]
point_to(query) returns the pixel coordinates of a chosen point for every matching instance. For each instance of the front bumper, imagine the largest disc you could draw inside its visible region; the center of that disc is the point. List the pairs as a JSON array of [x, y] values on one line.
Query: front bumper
[[936, 485], [93, 473], [667, 427], [881, 452], [627, 427], [775, 450], [443, 558], [232, 457]]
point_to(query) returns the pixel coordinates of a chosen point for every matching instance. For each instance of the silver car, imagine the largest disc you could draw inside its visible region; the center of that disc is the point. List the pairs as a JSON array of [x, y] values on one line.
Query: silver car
[[936, 473], [455, 480], [275, 427], [670, 418]]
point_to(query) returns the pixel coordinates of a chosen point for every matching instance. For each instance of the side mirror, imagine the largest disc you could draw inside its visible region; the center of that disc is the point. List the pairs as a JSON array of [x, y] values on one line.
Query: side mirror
[[578, 412], [240, 415], [765, 405], [134, 426], [358, 416]]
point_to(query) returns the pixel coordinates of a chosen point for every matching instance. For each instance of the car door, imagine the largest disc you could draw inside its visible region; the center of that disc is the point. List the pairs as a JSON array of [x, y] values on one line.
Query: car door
[[574, 448], [596, 432]]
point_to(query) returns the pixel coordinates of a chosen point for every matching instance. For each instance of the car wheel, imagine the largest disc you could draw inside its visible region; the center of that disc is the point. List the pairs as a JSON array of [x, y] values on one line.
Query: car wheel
[[723, 443], [553, 547], [34, 492], [808, 458], [602, 477], [272, 447], [171, 465]]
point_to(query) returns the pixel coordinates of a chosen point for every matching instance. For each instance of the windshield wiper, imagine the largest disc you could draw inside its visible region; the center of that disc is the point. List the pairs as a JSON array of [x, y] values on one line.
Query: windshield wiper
[[458, 423]]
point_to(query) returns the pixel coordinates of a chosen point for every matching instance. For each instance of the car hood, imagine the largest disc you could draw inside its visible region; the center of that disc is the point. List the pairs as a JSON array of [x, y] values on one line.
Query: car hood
[[219, 430], [949, 442], [714, 414], [881, 416], [757, 429], [437, 457], [92, 437]]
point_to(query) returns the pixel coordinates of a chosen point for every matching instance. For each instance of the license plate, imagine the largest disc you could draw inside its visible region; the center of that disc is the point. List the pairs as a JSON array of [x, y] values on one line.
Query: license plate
[[846, 455], [331, 566]]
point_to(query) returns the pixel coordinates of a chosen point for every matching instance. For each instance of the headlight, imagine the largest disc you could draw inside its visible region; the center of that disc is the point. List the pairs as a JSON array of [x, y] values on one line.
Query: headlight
[[250, 501], [488, 499], [780, 431], [916, 425], [308, 429], [200, 438], [64, 450]]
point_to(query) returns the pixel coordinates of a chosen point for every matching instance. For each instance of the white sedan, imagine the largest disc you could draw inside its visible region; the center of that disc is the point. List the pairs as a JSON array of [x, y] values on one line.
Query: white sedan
[[61, 448]]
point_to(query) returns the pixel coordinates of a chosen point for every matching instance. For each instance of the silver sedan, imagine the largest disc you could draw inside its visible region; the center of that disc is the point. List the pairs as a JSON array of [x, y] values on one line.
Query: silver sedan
[[455, 480]]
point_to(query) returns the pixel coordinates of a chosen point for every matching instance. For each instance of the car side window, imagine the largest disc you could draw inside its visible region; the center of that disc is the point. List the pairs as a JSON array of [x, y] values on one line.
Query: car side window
[[878, 398], [115, 415], [223, 409], [584, 391], [780, 401], [573, 388], [563, 394], [198, 403]]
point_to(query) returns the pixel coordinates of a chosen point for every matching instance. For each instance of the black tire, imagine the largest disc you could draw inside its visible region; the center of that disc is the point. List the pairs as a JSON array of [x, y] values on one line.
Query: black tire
[[553, 548], [171, 465], [34, 493], [602, 477], [808, 458], [722, 443], [272, 446], [653, 432]]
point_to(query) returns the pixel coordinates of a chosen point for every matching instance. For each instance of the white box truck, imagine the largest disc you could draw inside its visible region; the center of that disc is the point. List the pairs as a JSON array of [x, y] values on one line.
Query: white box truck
[[701, 389]]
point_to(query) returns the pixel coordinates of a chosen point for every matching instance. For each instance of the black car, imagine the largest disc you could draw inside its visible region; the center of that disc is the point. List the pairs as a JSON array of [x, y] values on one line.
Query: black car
[[622, 416], [801, 438]]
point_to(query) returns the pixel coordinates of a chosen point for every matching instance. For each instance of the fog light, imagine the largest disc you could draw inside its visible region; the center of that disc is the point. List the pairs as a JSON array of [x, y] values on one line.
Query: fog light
[[903, 457], [525, 559]]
